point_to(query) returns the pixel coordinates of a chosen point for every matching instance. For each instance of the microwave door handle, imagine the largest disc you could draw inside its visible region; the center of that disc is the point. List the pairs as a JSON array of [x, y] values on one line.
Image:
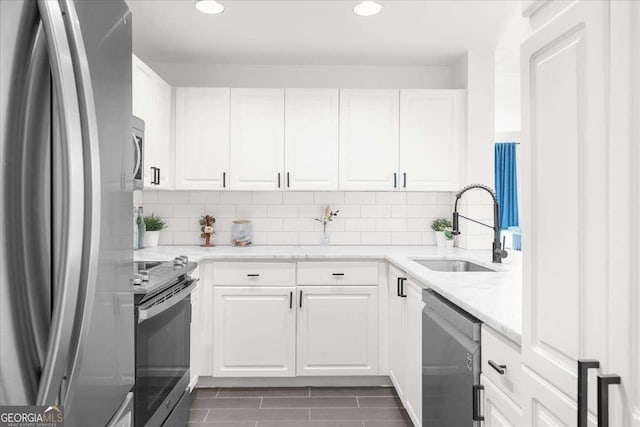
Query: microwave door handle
[[67, 273], [93, 185], [138, 157], [150, 310]]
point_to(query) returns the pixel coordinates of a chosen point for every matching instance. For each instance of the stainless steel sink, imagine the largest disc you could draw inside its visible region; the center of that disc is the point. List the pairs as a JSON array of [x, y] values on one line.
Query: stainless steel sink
[[452, 265]]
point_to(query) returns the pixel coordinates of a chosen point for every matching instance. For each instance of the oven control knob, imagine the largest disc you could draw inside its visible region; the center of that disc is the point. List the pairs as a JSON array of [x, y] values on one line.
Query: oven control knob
[[178, 262], [184, 258], [144, 275], [137, 280]]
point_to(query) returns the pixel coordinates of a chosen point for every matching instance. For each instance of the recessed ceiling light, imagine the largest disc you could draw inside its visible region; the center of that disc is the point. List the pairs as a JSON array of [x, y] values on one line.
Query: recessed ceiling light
[[367, 8], [210, 7]]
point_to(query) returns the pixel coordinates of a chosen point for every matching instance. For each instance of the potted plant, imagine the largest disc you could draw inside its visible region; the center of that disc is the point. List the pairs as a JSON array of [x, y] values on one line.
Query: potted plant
[[154, 225], [444, 232]]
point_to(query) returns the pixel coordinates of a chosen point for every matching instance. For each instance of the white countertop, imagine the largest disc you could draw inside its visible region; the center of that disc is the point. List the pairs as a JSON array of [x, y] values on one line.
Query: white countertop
[[493, 297]]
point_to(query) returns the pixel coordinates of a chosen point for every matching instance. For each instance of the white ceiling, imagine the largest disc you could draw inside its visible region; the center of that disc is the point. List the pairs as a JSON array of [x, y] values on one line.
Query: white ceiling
[[433, 32]]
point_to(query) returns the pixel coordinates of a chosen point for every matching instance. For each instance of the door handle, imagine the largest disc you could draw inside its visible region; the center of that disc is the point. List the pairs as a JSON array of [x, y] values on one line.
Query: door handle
[[395, 180], [288, 180], [158, 181], [290, 300], [476, 402], [404, 178], [68, 273], [300, 299], [398, 290], [583, 388], [278, 179], [253, 275], [501, 369], [402, 280], [338, 274], [224, 180], [604, 381]]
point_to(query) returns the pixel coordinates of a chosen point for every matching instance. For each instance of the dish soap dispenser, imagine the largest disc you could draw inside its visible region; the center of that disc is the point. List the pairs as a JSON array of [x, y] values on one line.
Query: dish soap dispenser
[[142, 228]]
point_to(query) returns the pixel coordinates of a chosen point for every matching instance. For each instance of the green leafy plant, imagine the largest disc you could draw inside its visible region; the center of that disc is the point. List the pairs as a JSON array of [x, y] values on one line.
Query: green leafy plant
[[154, 223], [440, 224]]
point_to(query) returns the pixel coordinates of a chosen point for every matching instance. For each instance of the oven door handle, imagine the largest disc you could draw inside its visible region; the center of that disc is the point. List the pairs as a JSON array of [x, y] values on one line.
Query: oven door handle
[[155, 309]]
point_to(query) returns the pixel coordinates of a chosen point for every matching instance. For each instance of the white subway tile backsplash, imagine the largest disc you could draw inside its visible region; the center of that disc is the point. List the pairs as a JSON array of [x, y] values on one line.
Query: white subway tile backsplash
[[360, 198], [235, 197], [173, 197], [297, 197], [287, 218], [267, 197], [391, 198], [328, 197]]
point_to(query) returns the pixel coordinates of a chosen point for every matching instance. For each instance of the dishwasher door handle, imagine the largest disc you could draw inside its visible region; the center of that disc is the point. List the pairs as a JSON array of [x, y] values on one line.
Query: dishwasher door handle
[[476, 403]]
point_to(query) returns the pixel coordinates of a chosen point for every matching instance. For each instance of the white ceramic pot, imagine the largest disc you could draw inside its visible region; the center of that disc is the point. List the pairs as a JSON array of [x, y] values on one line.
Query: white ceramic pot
[[151, 239], [440, 239]]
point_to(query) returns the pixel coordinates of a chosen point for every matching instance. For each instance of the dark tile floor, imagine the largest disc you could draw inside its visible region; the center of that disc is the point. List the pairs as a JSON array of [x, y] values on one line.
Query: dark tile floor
[[297, 407]]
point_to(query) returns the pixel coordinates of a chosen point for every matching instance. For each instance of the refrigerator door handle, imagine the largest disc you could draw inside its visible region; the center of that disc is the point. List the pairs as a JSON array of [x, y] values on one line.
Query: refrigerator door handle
[[67, 273], [93, 187]]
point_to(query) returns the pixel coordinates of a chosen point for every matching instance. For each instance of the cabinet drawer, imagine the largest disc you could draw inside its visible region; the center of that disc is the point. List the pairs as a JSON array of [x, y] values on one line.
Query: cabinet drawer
[[338, 273], [254, 273], [501, 351]]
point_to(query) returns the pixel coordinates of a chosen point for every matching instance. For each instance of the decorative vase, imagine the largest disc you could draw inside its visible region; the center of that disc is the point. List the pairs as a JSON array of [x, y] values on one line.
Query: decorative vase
[[325, 235], [207, 240], [151, 239]]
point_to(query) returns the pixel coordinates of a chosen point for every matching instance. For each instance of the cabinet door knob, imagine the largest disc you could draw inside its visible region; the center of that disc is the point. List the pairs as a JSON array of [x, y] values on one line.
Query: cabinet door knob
[[501, 369], [583, 388], [604, 381]]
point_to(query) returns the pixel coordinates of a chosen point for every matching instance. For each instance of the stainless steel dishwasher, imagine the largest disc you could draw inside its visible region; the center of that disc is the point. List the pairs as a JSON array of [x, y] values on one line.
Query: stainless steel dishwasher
[[450, 364]]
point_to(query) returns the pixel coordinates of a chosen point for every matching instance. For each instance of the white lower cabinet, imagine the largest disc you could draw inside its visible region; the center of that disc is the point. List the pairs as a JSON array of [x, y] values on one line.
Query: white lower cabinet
[[545, 405], [337, 330], [254, 331], [499, 409], [405, 349]]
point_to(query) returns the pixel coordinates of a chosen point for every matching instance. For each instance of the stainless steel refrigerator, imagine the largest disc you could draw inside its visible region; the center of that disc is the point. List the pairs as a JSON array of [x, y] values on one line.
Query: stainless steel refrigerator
[[66, 302]]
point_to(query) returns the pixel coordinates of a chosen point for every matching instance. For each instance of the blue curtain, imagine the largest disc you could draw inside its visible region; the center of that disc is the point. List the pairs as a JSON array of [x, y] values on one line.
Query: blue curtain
[[506, 183]]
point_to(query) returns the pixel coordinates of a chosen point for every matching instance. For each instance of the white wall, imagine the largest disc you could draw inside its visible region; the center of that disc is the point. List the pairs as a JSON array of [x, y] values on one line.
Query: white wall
[[320, 76], [287, 218]]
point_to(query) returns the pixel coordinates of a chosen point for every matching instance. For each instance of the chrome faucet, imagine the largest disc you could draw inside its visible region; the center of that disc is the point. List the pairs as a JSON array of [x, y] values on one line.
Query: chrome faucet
[[498, 248]]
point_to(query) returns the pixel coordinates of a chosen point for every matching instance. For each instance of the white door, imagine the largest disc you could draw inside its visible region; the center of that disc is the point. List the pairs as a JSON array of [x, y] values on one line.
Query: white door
[[413, 352], [152, 103], [565, 185], [397, 333], [254, 331], [311, 139], [369, 127], [337, 330], [499, 409], [202, 138], [257, 139], [545, 405], [432, 125]]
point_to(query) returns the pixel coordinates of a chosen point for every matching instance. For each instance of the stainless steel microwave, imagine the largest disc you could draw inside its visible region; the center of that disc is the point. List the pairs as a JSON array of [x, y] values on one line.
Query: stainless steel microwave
[[138, 153]]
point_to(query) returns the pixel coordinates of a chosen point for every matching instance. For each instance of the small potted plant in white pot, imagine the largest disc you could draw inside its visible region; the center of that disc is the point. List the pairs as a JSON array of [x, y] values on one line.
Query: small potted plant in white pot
[[154, 226], [444, 232]]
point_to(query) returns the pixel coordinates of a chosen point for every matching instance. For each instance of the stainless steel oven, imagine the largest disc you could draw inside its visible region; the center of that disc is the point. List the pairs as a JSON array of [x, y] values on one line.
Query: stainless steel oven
[[137, 135], [163, 320]]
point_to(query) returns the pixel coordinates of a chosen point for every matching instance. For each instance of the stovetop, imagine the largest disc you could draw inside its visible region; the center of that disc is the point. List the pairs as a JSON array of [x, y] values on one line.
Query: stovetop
[[150, 277]]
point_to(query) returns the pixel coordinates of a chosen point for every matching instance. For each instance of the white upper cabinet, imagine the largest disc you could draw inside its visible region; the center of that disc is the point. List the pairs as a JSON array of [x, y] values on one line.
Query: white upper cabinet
[[152, 103], [431, 132], [202, 138], [257, 139], [369, 124], [565, 286], [311, 139]]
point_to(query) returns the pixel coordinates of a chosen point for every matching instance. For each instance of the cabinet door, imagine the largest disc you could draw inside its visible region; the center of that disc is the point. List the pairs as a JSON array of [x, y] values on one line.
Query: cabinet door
[[369, 127], [257, 139], [397, 334], [546, 406], [565, 146], [431, 129], [337, 330], [202, 138], [254, 332], [413, 351], [311, 139], [499, 409], [152, 103]]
